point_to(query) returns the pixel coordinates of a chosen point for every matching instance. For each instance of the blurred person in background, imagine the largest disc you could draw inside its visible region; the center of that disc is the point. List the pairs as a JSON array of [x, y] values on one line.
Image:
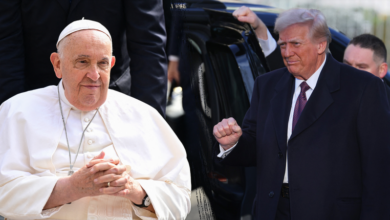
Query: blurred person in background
[[29, 30], [368, 53]]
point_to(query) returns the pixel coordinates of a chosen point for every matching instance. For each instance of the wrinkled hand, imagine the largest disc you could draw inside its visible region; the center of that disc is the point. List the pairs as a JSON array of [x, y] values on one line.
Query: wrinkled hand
[[227, 132], [126, 187], [173, 71], [244, 14], [88, 180]]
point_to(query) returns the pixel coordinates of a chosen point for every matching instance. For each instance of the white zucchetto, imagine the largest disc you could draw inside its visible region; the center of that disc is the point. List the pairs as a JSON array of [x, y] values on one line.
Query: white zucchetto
[[82, 24]]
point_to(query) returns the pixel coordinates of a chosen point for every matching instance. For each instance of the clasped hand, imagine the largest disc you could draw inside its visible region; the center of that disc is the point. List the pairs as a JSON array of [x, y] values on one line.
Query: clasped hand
[[93, 179]]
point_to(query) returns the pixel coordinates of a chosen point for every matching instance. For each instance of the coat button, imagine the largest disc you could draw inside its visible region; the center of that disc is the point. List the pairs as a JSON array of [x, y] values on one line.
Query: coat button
[[271, 194], [280, 155]]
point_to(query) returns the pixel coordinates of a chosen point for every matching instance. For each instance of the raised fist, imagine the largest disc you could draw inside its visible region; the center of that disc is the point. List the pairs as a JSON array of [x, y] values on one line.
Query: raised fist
[[227, 132]]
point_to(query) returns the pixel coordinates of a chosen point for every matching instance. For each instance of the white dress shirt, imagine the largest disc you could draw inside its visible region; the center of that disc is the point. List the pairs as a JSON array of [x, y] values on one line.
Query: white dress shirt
[[312, 82]]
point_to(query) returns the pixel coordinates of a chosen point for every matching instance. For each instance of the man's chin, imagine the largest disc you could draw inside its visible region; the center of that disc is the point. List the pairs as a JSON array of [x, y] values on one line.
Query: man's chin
[[90, 103]]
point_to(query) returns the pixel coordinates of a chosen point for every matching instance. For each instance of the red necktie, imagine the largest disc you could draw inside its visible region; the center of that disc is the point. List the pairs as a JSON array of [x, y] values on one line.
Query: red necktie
[[300, 104]]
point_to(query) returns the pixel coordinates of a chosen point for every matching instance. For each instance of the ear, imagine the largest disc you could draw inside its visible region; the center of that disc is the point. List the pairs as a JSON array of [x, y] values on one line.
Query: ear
[[321, 47], [55, 61], [113, 60], [383, 70]]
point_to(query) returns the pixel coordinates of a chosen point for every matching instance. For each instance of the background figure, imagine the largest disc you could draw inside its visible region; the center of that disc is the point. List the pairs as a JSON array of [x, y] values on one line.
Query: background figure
[[367, 52], [29, 30]]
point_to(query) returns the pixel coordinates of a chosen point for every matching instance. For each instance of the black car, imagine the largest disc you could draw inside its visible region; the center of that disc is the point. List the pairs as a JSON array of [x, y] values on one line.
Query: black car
[[225, 59]]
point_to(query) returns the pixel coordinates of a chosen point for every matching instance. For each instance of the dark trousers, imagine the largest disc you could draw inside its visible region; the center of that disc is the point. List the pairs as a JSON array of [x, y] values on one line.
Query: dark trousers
[[283, 210]]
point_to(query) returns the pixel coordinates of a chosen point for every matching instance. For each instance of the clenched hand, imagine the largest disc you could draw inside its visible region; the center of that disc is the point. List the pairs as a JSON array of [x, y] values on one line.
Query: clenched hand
[[227, 132]]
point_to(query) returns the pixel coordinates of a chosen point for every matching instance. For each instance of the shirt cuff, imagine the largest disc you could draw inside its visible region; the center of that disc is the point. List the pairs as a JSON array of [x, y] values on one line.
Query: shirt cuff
[[49, 212], [143, 213], [268, 46], [173, 58], [223, 153]]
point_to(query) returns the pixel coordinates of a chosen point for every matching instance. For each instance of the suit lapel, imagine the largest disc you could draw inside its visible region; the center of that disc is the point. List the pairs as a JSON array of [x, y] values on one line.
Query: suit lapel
[[73, 5], [64, 4], [321, 98], [281, 106]]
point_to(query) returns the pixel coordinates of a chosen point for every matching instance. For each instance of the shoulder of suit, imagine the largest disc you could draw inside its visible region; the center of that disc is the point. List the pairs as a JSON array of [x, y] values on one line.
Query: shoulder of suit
[[355, 75], [274, 74]]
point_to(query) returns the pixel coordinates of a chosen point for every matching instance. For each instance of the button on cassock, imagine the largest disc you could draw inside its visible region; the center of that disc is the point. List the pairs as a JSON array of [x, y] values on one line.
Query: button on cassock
[[86, 119], [90, 142]]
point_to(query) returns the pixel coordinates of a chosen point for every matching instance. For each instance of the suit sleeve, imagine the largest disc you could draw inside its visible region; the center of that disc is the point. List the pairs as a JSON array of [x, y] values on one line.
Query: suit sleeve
[[176, 33], [11, 50], [374, 140], [146, 39], [244, 153]]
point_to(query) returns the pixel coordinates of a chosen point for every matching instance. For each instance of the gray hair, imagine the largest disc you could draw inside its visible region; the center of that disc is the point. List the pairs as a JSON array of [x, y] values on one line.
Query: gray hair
[[60, 47], [319, 30]]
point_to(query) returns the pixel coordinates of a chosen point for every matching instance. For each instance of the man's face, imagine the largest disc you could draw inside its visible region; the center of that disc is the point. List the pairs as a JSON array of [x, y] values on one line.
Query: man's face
[[85, 68], [301, 55], [362, 59]]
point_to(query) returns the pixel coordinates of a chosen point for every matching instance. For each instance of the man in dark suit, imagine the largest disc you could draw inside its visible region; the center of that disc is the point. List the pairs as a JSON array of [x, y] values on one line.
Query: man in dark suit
[[317, 132], [367, 52], [29, 30]]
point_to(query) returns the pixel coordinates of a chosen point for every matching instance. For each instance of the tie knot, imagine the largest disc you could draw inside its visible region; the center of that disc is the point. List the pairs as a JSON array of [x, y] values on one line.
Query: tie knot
[[304, 87]]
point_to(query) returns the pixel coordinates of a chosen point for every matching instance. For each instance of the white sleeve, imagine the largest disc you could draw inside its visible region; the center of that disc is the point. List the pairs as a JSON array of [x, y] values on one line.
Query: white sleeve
[[223, 153], [25, 197], [170, 198], [24, 191], [268, 46], [173, 58]]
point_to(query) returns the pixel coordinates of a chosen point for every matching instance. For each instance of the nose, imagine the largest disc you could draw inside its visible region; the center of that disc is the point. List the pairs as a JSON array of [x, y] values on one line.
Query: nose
[[288, 51], [93, 73]]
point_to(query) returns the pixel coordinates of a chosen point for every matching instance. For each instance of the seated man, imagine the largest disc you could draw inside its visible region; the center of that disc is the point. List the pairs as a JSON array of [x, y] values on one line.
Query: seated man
[[49, 136]]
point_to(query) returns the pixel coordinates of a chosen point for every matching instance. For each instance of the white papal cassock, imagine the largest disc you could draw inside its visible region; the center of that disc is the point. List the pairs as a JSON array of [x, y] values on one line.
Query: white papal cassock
[[34, 155]]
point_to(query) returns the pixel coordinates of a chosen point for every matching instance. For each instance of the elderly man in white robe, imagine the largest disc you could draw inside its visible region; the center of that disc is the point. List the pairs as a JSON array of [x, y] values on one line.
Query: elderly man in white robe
[[81, 151]]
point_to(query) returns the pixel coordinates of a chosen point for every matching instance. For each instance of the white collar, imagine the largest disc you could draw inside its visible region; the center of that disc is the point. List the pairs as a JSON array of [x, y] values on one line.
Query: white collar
[[63, 97], [312, 81]]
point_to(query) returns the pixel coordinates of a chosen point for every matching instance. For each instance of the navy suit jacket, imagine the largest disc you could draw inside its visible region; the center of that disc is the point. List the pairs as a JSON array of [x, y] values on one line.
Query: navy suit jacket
[[29, 30], [338, 153]]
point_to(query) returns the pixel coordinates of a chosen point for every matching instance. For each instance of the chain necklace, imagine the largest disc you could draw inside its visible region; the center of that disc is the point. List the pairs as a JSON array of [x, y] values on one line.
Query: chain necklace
[[66, 134]]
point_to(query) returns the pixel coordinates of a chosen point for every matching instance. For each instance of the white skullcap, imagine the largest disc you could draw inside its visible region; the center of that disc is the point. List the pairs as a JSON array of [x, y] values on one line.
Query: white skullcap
[[82, 24]]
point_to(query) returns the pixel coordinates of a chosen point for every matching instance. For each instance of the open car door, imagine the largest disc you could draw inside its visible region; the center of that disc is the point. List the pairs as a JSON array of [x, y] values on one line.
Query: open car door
[[225, 59]]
